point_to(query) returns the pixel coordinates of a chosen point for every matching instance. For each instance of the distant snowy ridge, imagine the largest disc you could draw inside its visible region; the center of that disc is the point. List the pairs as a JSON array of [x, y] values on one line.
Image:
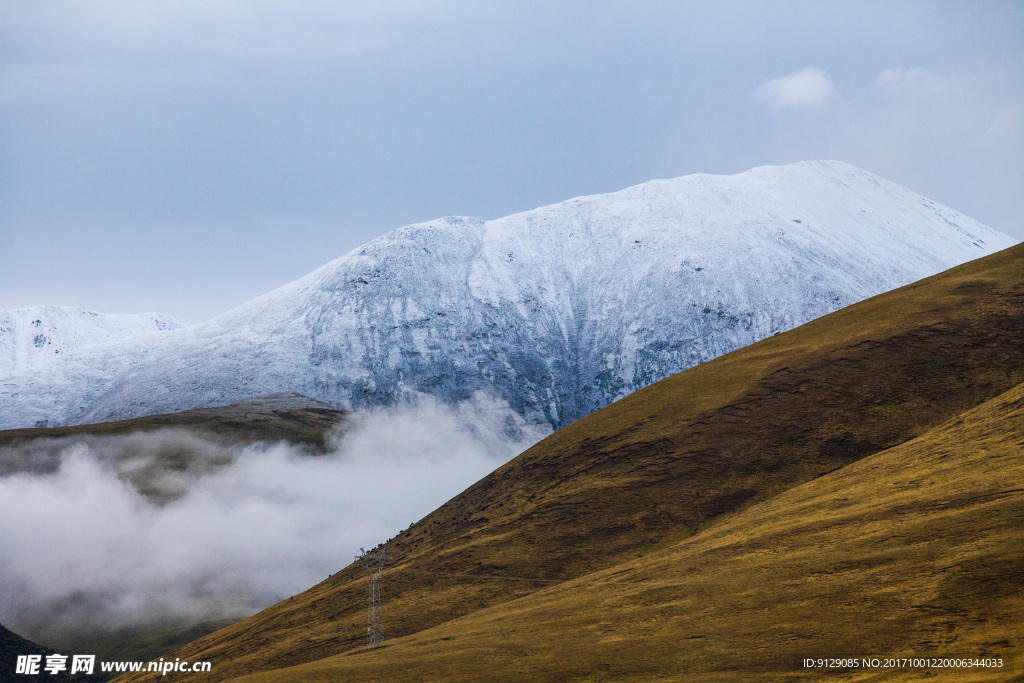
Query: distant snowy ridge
[[555, 312], [39, 334]]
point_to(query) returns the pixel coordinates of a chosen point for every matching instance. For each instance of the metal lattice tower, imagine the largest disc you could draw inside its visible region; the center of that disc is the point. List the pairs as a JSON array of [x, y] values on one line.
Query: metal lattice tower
[[375, 625]]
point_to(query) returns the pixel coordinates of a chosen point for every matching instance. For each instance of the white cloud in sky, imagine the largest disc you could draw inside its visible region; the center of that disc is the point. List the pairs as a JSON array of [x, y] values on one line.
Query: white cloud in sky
[[949, 134], [916, 79], [1006, 126], [805, 89], [917, 112]]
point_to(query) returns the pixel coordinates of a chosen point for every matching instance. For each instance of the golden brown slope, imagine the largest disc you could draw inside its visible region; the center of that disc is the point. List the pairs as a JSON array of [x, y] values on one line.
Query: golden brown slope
[[667, 461], [918, 550]]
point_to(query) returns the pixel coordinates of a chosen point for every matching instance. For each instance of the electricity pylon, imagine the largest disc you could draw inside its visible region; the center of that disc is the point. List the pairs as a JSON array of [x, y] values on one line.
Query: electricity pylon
[[375, 626]]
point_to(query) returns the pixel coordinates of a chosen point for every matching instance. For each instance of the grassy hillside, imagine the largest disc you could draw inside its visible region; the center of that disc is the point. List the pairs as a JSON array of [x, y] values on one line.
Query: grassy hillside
[[273, 417], [671, 461], [917, 550], [12, 645]]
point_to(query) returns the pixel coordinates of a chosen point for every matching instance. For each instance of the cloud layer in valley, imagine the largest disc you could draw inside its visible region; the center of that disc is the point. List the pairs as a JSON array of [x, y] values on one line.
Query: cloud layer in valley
[[84, 551]]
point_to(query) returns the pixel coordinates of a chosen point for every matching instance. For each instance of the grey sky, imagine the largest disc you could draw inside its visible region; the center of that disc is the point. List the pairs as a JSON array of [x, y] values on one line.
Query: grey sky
[[187, 156]]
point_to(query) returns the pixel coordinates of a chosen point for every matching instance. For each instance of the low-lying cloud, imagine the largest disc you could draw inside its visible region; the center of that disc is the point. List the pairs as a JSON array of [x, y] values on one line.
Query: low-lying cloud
[[84, 551]]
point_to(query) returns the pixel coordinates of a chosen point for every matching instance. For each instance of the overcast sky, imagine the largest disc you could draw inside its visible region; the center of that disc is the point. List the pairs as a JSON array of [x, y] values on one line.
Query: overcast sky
[[187, 156]]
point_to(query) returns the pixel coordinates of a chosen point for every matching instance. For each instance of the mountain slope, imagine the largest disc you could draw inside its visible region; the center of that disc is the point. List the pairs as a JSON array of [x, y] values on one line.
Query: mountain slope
[[911, 552], [557, 311], [12, 645], [32, 336], [274, 417], [674, 459]]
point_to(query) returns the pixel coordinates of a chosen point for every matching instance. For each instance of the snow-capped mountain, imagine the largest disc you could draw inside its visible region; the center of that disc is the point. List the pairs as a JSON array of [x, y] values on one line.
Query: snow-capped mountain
[[556, 311], [39, 334]]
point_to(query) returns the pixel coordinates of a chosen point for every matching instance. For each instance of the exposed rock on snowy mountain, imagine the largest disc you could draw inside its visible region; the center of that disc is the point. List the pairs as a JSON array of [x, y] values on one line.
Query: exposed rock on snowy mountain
[[556, 311], [38, 334]]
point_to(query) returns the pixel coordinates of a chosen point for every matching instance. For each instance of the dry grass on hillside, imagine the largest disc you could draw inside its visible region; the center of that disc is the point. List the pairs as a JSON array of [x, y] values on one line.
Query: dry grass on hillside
[[673, 460], [915, 550]]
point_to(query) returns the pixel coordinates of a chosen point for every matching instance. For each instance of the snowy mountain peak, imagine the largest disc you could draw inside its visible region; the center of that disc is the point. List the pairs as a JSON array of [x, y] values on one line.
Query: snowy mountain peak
[[555, 312]]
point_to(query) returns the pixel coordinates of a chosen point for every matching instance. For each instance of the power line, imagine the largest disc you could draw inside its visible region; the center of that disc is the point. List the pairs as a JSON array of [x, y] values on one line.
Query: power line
[[375, 624]]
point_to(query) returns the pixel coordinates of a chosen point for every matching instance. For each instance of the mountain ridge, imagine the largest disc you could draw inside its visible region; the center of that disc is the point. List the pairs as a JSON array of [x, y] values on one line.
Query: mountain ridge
[[556, 311]]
